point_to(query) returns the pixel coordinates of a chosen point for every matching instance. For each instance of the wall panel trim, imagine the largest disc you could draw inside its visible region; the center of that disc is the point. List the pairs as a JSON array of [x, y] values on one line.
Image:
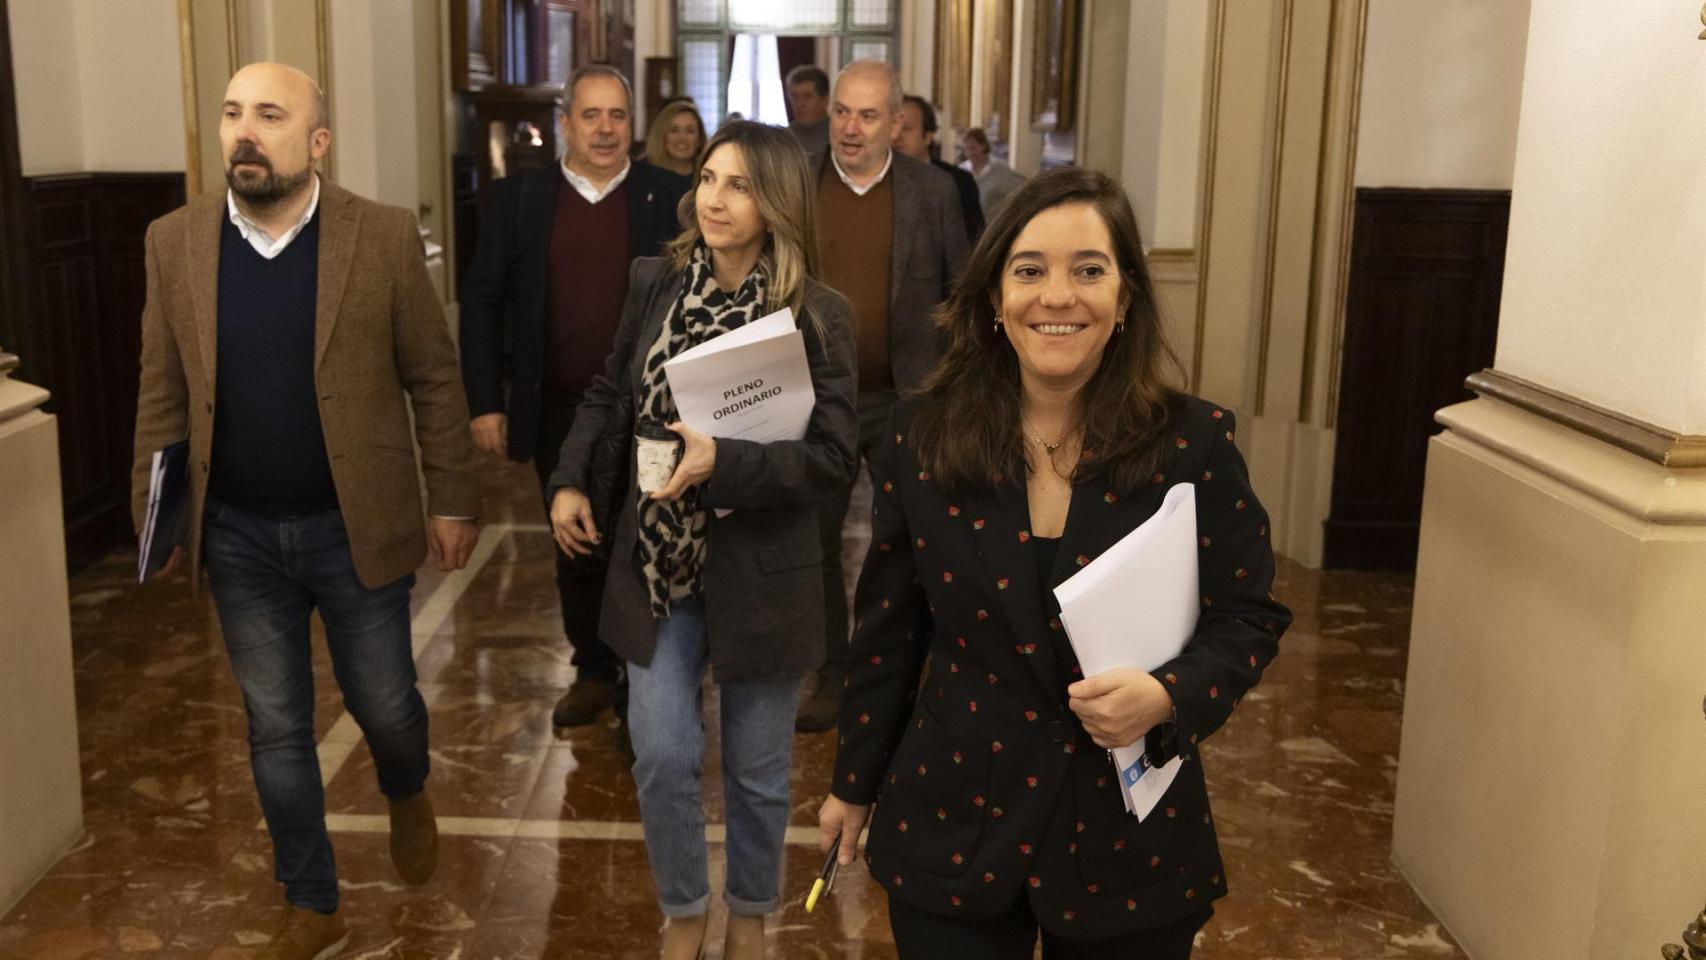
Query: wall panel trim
[[1637, 490], [1667, 448]]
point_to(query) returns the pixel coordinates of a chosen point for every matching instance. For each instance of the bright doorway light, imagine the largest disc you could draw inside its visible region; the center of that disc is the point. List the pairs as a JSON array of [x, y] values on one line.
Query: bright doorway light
[[755, 79]]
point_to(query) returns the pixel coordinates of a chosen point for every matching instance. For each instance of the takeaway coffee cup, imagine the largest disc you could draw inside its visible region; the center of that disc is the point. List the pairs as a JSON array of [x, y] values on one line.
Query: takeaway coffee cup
[[656, 452]]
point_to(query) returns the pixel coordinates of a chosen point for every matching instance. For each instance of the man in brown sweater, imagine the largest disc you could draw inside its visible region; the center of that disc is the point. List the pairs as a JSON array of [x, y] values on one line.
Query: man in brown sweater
[[892, 239]]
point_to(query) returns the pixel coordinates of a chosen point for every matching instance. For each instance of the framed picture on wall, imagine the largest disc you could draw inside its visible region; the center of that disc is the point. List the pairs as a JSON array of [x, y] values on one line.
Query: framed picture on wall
[[999, 122], [559, 44], [474, 35], [1054, 77]]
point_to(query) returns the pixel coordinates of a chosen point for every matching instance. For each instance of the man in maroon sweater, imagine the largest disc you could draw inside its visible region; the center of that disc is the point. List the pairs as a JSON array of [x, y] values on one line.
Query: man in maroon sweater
[[551, 268]]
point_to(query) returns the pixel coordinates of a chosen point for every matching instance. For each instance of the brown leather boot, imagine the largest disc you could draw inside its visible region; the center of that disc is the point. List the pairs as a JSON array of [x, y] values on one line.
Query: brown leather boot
[[819, 712], [587, 698], [307, 935], [744, 938], [414, 839], [684, 938]]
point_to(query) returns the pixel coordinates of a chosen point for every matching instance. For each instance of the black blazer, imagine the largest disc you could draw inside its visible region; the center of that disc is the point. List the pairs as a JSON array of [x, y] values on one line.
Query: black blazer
[[503, 293], [986, 784], [971, 206], [928, 253], [764, 566]]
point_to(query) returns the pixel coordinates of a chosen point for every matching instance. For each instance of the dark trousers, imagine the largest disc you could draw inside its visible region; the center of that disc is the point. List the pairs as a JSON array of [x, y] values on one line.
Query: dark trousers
[[268, 576], [580, 580], [919, 935], [875, 406]]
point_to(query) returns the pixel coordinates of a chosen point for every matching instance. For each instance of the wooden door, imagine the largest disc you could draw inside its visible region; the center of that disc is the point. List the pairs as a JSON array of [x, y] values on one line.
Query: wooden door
[[1421, 315]]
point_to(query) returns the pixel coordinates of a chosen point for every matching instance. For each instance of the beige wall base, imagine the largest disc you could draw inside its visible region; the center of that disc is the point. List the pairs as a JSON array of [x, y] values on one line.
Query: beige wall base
[[1549, 785], [1291, 463], [41, 800], [1291, 468], [1173, 273]]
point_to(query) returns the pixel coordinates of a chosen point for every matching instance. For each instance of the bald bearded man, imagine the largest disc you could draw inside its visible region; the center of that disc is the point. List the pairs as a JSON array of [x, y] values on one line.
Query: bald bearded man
[[289, 331]]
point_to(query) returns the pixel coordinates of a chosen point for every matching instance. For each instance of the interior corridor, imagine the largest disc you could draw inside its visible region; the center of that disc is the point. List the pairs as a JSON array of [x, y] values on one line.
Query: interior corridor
[[542, 853]]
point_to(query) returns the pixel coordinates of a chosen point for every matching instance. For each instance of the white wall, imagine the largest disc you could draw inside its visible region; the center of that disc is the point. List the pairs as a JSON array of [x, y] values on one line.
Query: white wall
[[45, 75], [917, 47], [1441, 88], [374, 123], [98, 85], [1165, 82], [1185, 77], [1605, 271], [132, 85], [1146, 41]]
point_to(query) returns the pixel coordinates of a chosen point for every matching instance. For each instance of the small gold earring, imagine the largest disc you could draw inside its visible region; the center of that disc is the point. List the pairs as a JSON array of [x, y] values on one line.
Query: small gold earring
[[996, 326]]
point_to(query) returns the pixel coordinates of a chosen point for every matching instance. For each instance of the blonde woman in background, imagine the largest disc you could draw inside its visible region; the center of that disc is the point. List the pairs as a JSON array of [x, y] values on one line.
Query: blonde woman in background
[[676, 137]]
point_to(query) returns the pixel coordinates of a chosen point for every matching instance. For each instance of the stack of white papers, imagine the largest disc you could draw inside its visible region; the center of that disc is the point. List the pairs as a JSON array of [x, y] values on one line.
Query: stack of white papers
[[752, 383], [1136, 606]]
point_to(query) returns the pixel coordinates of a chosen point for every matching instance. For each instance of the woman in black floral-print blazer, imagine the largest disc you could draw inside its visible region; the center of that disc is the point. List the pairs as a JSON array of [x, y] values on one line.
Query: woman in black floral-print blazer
[[1046, 434]]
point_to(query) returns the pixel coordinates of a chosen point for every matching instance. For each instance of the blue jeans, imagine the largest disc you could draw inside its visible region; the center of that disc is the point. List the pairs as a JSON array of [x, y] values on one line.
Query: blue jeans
[[268, 576], [666, 718]]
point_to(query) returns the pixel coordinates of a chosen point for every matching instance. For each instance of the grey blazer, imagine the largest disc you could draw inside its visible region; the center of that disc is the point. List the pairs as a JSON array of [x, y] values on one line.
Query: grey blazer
[[764, 563], [928, 253]]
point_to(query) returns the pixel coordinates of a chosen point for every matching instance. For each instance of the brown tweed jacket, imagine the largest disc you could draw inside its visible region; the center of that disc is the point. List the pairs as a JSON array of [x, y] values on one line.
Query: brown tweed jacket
[[379, 336]]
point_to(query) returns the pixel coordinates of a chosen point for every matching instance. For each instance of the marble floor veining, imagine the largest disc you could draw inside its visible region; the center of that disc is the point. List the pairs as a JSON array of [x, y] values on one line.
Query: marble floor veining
[[542, 854]]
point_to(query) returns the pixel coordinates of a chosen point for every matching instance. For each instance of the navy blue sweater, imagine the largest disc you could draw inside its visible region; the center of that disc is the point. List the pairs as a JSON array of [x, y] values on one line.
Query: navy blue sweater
[[269, 455]]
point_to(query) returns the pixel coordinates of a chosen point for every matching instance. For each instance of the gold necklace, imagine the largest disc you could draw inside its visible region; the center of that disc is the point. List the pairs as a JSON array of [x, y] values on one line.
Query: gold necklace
[[1048, 448]]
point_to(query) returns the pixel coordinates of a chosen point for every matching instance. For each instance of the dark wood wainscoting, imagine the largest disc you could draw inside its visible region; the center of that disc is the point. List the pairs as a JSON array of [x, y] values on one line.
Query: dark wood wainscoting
[[1421, 315], [79, 335]]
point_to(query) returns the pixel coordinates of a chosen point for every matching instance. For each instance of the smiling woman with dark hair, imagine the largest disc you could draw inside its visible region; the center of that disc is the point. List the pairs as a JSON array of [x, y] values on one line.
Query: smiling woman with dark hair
[[1050, 429]]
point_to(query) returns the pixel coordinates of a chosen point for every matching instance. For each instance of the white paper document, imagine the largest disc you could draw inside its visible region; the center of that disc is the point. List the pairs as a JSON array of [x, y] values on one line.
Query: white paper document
[[1136, 606], [752, 383]]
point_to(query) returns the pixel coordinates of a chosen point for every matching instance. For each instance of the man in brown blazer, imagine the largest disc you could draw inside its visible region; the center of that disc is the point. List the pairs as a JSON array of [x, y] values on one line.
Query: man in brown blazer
[[289, 330]]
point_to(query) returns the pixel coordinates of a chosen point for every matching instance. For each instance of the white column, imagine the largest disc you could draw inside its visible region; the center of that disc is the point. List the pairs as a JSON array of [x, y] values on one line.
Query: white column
[[374, 124], [1549, 792], [1606, 268], [41, 798]]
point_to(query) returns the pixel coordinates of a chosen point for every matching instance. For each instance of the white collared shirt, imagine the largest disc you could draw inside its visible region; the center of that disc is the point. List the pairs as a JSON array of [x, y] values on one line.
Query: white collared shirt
[[264, 245], [859, 191], [589, 191]]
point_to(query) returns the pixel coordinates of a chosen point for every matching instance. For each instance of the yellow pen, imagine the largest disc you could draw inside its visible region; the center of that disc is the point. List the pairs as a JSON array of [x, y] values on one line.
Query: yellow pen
[[825, 881]]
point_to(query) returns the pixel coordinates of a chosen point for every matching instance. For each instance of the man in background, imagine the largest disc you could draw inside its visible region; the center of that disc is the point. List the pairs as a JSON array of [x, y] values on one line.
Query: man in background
[[892, 240], [915, 136], [995, 180], [550, 266], [808, 104], [289, 332]]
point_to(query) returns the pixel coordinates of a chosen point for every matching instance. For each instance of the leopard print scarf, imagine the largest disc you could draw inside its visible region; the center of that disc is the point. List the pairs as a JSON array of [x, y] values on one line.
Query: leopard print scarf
[[672, 533]]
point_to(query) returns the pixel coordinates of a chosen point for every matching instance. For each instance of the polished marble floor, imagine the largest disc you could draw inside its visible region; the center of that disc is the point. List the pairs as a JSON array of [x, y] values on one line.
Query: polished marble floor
[[542, 854]]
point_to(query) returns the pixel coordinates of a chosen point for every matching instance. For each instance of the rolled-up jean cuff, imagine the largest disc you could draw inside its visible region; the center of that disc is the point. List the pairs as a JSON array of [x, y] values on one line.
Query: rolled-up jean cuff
[[682, 912], [748, 908]]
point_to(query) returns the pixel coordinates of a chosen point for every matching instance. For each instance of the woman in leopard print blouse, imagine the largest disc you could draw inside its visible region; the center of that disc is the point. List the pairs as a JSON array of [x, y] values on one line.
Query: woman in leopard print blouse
[[692, 584]]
